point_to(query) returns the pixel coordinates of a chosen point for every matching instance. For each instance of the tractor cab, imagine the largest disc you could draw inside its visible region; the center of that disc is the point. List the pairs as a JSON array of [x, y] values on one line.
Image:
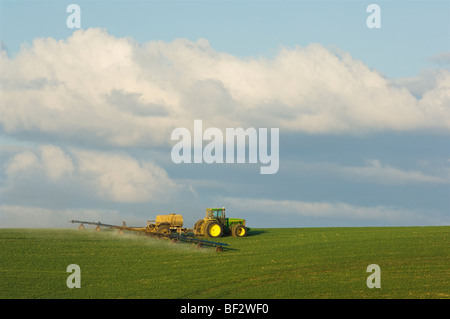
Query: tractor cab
[[216, 213]]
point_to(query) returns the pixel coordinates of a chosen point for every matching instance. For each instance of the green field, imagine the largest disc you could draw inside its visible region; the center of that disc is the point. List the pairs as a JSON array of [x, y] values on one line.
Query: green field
[[269, 263]]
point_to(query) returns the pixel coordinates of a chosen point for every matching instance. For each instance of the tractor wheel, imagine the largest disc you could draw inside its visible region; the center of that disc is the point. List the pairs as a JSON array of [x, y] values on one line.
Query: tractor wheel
[[198, 227], [214, 230], [239, 231], [163, 230]]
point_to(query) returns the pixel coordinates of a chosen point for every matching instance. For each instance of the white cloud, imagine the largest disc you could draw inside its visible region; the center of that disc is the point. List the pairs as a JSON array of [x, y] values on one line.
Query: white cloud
[[373, 172], [386, 174], [21, 162], [112, 176], [425, 81], [96, 88], [338, 210], [56, 163], [121, 178]]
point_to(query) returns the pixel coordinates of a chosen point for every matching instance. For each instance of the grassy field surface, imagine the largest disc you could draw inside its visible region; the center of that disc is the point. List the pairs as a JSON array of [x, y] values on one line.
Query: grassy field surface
[[269, 263]]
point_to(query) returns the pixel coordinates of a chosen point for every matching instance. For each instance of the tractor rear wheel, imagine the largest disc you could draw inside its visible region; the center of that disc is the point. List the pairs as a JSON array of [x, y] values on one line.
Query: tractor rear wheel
[[239, 231], [198, 227], [163, 230], [214, 230]]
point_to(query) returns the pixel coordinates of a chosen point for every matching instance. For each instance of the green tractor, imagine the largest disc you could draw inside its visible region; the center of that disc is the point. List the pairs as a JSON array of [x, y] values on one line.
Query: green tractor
[[215, 224]]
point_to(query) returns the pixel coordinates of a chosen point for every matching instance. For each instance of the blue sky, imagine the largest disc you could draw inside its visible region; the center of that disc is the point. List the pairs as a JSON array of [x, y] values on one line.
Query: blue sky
[[411, 33], [363, 113]]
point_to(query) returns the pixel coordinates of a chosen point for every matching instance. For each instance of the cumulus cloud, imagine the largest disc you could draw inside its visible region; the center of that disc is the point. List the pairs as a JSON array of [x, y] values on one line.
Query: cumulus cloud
[[121, 178], [113, 177], [96, 88], [49, 161], [425, 81]]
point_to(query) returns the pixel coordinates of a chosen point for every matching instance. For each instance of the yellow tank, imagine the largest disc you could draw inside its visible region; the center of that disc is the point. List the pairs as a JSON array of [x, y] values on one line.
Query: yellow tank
[[173, 220]]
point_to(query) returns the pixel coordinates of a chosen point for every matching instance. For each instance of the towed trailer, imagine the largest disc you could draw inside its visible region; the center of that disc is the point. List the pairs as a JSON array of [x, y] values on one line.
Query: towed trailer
[[159, 230]]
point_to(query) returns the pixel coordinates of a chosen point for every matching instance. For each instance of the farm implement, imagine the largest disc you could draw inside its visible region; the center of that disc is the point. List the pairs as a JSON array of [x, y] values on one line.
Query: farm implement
[[165, 227]]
